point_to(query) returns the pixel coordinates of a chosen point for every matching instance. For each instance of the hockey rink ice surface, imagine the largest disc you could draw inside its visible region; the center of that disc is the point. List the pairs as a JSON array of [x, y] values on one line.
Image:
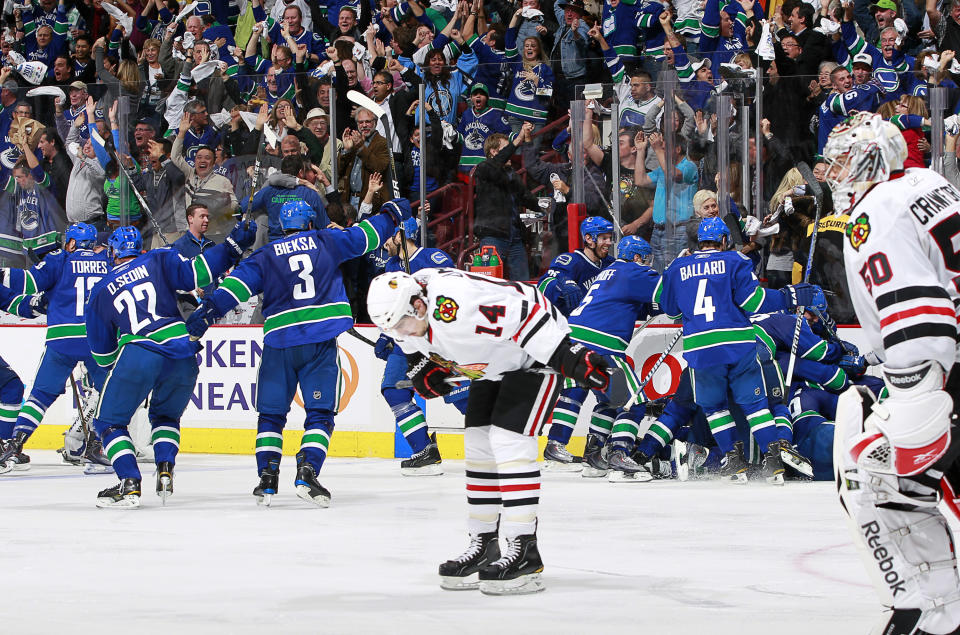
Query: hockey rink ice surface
[[695, 557]]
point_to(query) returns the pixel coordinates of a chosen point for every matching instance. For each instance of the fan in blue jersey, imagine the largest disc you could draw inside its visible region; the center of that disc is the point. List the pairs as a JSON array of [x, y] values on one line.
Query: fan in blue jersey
[[305, 308], [134, 327], [65, 277], [713, 291], [410, 418], [620, 295], [572, 273]]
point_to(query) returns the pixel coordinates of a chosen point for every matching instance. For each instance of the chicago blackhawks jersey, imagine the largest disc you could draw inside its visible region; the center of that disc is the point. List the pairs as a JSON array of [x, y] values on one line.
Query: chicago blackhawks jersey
[[903, 267], [482, 327]]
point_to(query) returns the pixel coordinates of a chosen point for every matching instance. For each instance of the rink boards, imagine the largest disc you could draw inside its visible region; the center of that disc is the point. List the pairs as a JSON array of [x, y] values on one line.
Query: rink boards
[[221, 416]]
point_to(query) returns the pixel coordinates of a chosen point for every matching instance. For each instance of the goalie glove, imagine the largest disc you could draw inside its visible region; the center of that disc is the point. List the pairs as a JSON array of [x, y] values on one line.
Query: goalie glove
[[428, 377], [586, 367]]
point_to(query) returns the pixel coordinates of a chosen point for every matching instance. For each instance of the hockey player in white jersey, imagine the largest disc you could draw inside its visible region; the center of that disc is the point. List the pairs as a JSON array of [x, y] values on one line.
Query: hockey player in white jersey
[[451, 323], [897, 463]]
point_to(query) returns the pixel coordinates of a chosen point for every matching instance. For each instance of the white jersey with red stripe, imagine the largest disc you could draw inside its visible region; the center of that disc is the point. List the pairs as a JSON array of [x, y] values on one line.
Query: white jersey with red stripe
[[902, 255], [485, 326]]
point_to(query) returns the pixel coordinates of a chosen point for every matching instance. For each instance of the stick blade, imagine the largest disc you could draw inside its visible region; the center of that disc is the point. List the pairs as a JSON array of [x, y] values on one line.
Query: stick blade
[[365, 102], [811, 180]]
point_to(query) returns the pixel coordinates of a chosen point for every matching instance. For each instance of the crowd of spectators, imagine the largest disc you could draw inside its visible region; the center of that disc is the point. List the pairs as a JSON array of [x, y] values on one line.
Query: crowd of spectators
[[149, 112]]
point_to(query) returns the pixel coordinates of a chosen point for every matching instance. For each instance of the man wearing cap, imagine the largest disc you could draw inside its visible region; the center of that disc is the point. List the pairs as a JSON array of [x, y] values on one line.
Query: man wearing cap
[[476, 124], [75, 126], [569, 54], [891, 68]]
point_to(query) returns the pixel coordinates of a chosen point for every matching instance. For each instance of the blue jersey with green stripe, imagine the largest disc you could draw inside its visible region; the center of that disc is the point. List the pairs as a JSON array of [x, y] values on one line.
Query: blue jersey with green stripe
[[573, 265], [67, 279], [136, 303], [304, 301], [620, 295], [713, 292]]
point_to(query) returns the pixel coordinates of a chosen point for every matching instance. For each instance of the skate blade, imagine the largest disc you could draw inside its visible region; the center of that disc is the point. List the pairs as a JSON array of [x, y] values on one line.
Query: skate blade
[[264, 501], [737, 479], [166, 489], [21, 467], [96, 468], [683, 472], [592, 472], [801, 466], [618, 476], [523, 585], [6, 467], [426, 470], [127, 502], [320, 501], [559, 466], [454, 583], [776, 479]]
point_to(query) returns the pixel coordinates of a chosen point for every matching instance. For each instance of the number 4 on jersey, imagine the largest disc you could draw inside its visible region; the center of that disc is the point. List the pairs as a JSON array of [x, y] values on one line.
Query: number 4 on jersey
[[703, 305], [492, 313]]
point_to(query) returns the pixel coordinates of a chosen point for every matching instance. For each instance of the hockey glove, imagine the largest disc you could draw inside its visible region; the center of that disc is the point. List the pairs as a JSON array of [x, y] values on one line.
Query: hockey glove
[[241, 237], [200, 320], [38, 304], [569, 295], [849, 348], [398, 209], [383, 347], [579, 363], [429, 378], [801, 294], [853, 365]]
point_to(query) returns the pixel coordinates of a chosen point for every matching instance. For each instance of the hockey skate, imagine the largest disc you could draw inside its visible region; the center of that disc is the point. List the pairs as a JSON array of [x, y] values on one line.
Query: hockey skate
[[658, 468], [164, 480], [307, 486], [269, 483], [733, 467], [12, 456], [123, 495], [517, 571], [97, 461], [556, 458], [426, 462], [695, 459], [462, 573], [772, 470], [794, 460], [623, 469], [594, 465]]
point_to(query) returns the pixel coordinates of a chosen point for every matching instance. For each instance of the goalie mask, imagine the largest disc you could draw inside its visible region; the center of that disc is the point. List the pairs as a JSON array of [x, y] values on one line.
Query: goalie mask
[[861, 151], [391, 297]]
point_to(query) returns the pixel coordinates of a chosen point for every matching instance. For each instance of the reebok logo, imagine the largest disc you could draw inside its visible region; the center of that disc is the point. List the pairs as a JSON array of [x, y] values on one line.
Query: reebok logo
[[871, 534], [904, 380]]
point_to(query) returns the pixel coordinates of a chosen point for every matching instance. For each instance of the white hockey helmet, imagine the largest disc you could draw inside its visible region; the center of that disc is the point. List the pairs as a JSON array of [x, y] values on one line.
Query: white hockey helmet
[[391, 297], [860, 152]]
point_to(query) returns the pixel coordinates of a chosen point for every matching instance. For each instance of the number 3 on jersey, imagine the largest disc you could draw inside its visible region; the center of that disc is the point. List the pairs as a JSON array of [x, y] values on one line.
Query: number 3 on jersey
[[303, 267], [703, 305]]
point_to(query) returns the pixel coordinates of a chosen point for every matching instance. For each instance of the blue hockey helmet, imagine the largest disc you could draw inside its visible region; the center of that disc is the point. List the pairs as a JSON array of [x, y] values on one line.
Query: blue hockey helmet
[[712, 229], [593, 226], [819, 305], [296, 214], [125, 241], [630, 246], [411, 229], [84, 234]]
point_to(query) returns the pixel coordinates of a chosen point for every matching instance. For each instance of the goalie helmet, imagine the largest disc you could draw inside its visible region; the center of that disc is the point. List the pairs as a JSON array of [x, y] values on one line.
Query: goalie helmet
[[391, 297], [861, 151]]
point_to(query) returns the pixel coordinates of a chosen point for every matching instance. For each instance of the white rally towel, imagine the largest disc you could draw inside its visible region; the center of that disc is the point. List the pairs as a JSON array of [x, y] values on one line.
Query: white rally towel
[[120, 16], [204, 70], [249, 118], [33, 72], [187, 10], [47, 91]]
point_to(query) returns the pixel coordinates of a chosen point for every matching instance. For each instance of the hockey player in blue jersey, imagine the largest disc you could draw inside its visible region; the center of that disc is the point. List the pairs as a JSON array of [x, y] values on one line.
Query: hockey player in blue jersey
[[134, 327], [410, 418], [65, 278], [620, 295], [572, 273], [712, 291], [305, 307]]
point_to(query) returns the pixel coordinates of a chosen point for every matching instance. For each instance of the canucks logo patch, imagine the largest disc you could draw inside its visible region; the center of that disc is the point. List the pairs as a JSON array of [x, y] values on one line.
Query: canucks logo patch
[[446, 310], [858, 231]]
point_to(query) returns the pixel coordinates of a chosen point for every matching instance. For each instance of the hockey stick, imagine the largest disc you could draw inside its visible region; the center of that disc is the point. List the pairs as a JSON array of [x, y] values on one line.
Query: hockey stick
[[256, 170], [352, 331], [365, 102], [807, 175], [143, 202], [80, 406], [646, 380]]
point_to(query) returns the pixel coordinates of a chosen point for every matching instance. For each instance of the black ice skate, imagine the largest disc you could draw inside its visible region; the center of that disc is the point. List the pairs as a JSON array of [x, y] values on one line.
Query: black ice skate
[[733, 467], [623, 469], [164, 480], [772, 470], [594, 465], [97, 461], [11, 454], [517, 571], [123, 495], [659, 468], [794, 460], [426, 462], [556, 458], [462, 573], [307, 486], [269, 483]]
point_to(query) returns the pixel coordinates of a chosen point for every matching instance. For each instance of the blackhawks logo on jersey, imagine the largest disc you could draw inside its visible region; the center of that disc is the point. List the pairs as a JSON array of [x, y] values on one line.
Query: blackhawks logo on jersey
[[858, 231], [446, 310]]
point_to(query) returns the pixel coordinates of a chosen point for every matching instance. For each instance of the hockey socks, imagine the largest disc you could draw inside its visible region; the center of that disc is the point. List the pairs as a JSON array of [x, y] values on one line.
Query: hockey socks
[[166, 439], [519, 476], [762, 427], [601, 422], [410, 419], [118, 446], [627, 425], [317, 430], [565, 413], [31, 413], [483, 483], [269, 445], [723, 428], [11, 397]]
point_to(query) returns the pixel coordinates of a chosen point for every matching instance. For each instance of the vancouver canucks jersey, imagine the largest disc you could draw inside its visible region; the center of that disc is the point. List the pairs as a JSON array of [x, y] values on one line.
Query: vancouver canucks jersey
[[299, 275], [574, 265], [713, 292], [775, 331], [620, 295], [67, 279], [136, 303], [423, 258]]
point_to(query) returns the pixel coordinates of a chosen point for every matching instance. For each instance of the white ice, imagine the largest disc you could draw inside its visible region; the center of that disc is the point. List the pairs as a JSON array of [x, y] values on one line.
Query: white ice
[[661, 557]]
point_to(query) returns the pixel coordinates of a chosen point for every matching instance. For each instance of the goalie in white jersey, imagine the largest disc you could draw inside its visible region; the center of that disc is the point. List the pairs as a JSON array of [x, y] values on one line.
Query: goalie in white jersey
[[897, 462], [509, 340]]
